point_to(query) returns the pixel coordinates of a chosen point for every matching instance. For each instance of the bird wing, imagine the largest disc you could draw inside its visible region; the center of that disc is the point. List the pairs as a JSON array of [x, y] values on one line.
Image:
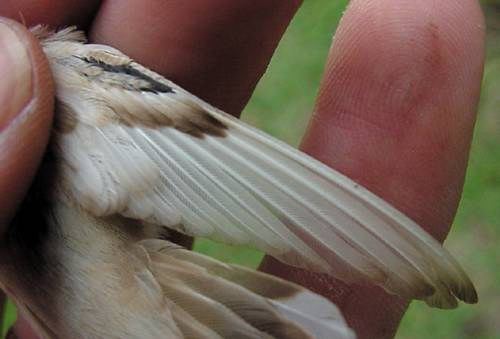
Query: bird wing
[[130, 142]]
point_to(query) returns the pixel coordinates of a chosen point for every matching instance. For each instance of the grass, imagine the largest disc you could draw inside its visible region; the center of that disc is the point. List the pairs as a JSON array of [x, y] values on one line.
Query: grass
[[280, 106]]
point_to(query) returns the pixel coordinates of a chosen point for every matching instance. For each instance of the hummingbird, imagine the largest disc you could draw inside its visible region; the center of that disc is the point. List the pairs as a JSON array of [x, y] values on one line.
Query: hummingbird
[[134, 158]]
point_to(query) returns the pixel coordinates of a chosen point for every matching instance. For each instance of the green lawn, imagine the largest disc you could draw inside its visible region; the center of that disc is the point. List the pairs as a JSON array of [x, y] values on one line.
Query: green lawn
[[280, 106]]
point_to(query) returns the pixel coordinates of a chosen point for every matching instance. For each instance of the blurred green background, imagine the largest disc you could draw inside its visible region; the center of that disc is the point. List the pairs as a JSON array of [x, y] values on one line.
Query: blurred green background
[[281, 106]]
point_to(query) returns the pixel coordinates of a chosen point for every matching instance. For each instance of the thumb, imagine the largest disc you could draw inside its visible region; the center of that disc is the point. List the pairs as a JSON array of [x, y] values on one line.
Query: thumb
[[26, 106]]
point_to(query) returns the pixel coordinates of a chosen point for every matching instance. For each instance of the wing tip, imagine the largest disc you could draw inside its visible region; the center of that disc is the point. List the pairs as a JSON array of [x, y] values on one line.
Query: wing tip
[[448, 297], [468, 295], [463, 289]]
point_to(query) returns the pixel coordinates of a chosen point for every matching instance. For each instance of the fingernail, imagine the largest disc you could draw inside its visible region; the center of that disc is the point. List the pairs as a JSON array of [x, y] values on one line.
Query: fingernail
[[15, 75]]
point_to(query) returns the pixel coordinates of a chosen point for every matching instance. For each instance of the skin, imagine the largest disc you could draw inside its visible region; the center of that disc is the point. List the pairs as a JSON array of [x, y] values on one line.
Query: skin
[[395, 111]]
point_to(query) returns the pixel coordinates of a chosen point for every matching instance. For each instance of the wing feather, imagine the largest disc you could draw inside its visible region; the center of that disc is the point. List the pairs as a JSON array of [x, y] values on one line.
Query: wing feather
[[143, 147]]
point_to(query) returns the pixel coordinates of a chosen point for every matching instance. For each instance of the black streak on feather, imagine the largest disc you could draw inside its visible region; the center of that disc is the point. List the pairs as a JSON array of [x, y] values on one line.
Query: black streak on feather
[[154, 85], [195, 120]]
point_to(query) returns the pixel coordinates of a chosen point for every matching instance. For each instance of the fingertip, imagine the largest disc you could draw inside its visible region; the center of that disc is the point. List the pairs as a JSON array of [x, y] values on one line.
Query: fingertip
[[27, 99], [389, 56]]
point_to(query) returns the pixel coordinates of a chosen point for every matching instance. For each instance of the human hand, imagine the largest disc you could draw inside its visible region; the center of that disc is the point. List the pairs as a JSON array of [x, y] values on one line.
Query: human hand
[[378, 114]]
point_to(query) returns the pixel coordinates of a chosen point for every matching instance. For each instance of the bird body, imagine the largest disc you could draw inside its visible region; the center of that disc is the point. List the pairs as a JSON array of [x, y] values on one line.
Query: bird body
[[133, 156]]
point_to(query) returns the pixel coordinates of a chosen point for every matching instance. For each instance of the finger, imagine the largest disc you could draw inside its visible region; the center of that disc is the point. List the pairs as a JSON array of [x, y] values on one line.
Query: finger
[[395, 113], [53, 13], [26, 94], [217, 49]]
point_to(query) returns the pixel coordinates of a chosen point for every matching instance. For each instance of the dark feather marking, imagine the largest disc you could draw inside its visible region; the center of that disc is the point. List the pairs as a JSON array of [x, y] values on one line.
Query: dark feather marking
[[195, 120], [154, 85]]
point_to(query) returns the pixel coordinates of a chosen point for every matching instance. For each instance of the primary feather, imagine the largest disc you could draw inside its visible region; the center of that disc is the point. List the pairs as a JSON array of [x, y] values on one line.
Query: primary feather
[[129, 142]]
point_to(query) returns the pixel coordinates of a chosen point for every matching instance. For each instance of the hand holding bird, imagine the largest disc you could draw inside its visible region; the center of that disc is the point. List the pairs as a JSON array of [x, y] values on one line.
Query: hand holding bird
[[320, 109]]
